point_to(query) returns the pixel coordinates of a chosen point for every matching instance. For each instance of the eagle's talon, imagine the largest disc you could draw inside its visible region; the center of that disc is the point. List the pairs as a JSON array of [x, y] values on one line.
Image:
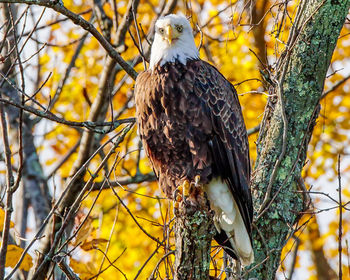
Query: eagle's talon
[[177, 196], [186, 187], [197, 180]]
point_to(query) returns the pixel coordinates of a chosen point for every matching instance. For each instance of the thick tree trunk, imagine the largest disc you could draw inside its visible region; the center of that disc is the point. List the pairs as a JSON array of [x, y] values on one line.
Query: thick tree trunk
[[287, 127]]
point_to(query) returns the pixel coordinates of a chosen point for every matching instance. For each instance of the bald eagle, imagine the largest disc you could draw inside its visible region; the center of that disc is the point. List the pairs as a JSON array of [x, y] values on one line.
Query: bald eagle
[[191, 124]]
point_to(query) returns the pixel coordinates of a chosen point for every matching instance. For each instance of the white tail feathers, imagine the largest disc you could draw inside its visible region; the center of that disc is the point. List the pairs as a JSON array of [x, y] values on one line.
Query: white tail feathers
[[228, 218], [240, 240]]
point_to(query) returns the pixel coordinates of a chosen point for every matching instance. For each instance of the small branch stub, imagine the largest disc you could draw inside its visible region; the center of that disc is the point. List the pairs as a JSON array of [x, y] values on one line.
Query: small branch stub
[[194, 231]]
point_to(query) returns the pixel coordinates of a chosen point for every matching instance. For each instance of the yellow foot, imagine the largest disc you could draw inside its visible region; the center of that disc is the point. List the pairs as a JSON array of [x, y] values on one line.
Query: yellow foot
[[177, 198], [188, 192], [181, 193]]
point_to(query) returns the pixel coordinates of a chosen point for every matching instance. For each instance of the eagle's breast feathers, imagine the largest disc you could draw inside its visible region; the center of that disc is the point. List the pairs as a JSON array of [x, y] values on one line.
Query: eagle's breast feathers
[[173, 130]]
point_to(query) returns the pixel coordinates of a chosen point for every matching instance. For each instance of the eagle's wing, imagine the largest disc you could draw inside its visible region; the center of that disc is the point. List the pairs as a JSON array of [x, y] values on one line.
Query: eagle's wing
[[229, 144], [144, 86]]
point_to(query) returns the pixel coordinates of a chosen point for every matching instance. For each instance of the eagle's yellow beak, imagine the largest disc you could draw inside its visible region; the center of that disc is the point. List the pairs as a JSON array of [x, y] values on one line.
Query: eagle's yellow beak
[[169, 33]]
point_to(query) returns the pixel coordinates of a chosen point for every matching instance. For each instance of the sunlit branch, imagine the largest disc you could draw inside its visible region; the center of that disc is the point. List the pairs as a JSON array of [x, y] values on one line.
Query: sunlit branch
[[335, 86], [87, 124], [135, 220], [9, 183], [140, 178], [65, 268], [67, 72]]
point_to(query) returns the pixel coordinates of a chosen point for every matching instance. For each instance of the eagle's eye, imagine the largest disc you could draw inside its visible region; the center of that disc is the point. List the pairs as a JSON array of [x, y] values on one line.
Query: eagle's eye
[[161, 30], [179, 28]]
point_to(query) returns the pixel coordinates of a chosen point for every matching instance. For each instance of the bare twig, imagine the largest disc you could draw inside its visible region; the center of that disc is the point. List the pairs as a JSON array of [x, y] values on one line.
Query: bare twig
[[126, 22], [133, 217], [340, 229], [57, 205], [158, 264], [145, 263], [110, 264], [295, 254], [56, 22], [95, 199], [87, 124], [139, 178], [9, 184], [65, 268], [20, 125], [138, 36], [69, 68], [110, 238], [63, 160], [334, 87], [253, 130]]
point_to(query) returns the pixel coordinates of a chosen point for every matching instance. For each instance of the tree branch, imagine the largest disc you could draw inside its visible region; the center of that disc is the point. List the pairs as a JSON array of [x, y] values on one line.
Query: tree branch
[[9, 184]]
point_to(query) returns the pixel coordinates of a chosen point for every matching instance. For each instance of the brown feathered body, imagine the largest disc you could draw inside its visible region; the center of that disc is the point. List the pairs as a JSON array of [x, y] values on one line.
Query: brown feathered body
[[190, 123]]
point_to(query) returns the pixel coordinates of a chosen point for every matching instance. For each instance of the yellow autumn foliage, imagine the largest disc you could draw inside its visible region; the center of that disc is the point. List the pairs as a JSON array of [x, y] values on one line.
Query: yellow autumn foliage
[[2, 219], [85, 270], [13, 255]]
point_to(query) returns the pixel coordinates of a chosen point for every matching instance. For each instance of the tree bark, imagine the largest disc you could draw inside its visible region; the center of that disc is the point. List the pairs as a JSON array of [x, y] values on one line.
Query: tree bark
[[194, 231], [287, 127]]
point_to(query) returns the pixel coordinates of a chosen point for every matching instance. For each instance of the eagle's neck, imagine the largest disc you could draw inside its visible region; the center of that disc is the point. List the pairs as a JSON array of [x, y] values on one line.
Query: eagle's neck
[[182, 50]]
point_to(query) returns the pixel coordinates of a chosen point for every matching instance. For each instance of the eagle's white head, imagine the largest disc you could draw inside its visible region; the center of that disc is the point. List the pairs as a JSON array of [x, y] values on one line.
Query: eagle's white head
[[173, 40]]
